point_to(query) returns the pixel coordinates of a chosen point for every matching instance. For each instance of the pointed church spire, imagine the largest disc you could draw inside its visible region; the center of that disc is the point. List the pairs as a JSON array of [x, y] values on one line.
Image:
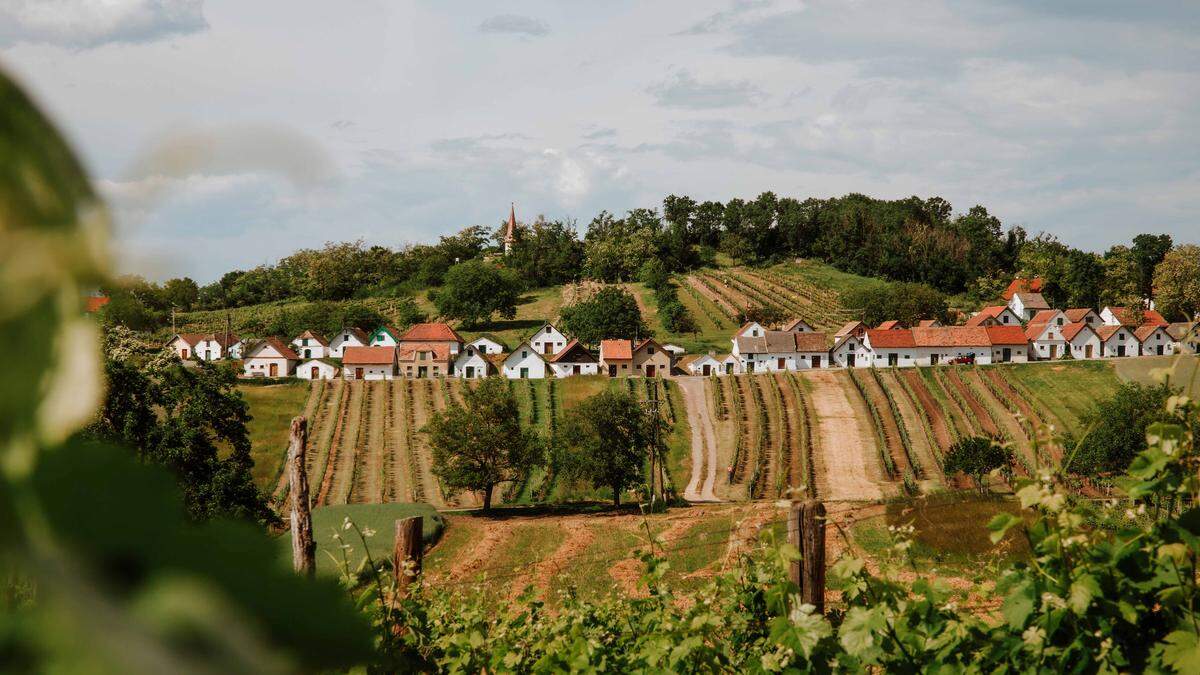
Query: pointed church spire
[[510, 234]]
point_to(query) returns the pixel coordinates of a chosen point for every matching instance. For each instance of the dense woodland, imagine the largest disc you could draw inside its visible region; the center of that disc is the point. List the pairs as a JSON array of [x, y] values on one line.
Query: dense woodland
[[920, 241]]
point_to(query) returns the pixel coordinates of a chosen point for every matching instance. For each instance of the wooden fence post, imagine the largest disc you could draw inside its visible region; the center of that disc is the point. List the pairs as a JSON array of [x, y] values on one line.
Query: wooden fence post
[[806, 531], [304, 548], [408, 552]]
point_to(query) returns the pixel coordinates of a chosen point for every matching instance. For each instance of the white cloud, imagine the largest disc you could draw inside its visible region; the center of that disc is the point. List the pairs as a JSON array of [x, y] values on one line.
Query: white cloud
[[683, 90], [90, 23], [515, 24]]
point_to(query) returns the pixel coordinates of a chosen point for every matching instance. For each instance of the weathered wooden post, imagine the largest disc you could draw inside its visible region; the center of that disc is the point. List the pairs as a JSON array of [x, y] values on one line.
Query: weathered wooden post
[[304, 548], [408, 552], [806, 531]]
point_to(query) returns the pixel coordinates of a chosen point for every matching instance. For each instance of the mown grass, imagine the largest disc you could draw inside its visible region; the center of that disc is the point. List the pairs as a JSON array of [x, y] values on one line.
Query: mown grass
[[828, 276], [271, 411], [1183, 370], [1068, 388], [380, 518]]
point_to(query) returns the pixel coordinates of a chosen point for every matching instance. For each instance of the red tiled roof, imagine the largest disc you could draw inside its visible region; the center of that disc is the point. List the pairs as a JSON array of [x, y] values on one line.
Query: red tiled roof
[[1077, 314], [1146, 330], [951, 336], [1152, 317], [1033, 330], [225, 341], [431, 332], [644, 343], [853, 327], [1044, 316], [1033, 285], [890, 324], [986, 313], [408, 350], [811, 342], [368, 356], [95, 302], [620, 350], [1105, 332], [1073, 329], [929, 323], [1128, 317], [1005, 335], [573, 347], [890, 339]]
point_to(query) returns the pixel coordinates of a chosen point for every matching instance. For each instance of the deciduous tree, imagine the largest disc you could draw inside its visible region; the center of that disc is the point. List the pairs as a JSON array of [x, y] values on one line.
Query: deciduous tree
[[1177, 283], [475, 290], [607, 439], [610, 313]]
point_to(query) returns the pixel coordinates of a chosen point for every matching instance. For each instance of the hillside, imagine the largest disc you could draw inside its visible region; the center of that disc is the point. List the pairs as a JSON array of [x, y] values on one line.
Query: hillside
[[841, 435], [807, 289]]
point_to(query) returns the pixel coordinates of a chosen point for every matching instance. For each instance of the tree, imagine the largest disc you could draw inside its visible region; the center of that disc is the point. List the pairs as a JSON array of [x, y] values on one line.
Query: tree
[[1149, 250], [610, 313], [1177, 283], [906, 302], [767, 315], [181, 294], [1122, 279], [654, 274], [976, 456], [606, 440], [480, 444], [546, 254], [190, 420], [1116, 428], [475, 290]]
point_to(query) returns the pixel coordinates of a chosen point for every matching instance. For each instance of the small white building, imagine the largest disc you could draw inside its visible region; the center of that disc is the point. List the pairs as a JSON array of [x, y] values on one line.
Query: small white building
[[317, 369], [547, 340], [850, 351], [184, 344], [730, 364], [1117, 341], [369, 363], [574, 359], [1046, 339], [218, 346], [797, 326], [310, 345], [1082, 340], [1154, 340], [270, 358], [1026, 305], [347, 337], [472, 362], [385, 336], [705, 365], [487, 345], [1184, 338], [524, 363]]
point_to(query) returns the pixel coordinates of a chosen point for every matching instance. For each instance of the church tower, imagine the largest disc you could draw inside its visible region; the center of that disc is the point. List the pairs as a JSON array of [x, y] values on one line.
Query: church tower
[[510, 233]]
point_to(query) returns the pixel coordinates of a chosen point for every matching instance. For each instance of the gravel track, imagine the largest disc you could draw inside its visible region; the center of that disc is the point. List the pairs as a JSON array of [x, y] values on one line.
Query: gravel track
[[704, 441]]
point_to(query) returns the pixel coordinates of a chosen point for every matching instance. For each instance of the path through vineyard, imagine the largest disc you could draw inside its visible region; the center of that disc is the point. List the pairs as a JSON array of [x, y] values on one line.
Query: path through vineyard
[[704, 441], [845, 457]]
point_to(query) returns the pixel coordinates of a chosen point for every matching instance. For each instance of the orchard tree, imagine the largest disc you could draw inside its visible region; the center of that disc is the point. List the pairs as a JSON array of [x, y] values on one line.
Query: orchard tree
[[610, 313], [1149, 250], [976, 456], [607, 439], [480, 444], [473, 291], [1177, 283]]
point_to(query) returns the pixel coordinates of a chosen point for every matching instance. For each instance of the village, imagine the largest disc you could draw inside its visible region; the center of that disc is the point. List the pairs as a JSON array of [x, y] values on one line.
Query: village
[[1022, 329]]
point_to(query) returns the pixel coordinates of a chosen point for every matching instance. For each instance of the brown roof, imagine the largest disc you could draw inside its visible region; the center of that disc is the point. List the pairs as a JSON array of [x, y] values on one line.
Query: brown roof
[[431, 332], [190, 338], [408, 350], [1146, 330], [882, 338], [986, 313], [94, 303], [644, 343], [369, 356], [1033, 301], [358, 333], [284, 350], [1043, 316], [312, 336], [618, 350], [577, 352], [1106, 331], [951, 336], [853, 327], [1077, 314], [791, 325], [1005, 335], [890, 324], [811, 342], [1073, 329], [226, 340], [1033, 285], [1179, 329]]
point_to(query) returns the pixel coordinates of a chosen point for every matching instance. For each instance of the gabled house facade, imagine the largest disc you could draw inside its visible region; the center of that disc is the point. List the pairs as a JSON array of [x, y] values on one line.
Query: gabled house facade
[[487, 345], [384, 336], [547, 340], [797, 326], [424, 359], [310, 345], [434, 333], [184, 344], [369, 363], [1009, 344], [1026, 305], [1083, 315], [216, 346], [317, 369], [472, 362], [705, 365], [1117, 341], [1082, 340], [1153, 340], [524, 363], [270, 358], [850, 351], [574, 359], [347, 337], [1184, 338], [996, 315], [651, 360]]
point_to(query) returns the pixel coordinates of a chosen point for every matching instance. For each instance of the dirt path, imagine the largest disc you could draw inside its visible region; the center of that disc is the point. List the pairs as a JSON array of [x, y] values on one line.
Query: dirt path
[[924, 458], [480, 556], [704, 441], [937, 421], [847, 455]]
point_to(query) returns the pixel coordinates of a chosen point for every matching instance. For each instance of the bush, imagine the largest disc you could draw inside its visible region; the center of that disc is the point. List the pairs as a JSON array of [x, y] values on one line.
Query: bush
[[977, 456], [1115, 429]]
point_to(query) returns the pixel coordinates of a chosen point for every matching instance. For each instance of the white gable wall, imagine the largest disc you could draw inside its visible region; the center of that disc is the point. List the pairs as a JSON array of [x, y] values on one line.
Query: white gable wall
[[1050, 344], [568, 369], [470, 360], [325, 371], [1158, 344], [840, 355], [548, 340], [1121, 343], [1080, 343], [524, 358], [341, 341], [486, 346], [312, 350]]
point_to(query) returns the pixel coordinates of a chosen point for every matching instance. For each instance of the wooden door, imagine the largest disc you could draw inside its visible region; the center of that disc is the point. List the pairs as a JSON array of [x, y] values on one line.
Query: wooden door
[[273, 370], [1053, 352], [1006, 355], [183, 353], [547, 347], [816, 362], [315, 373], [850, 360], [707, 370], [1087, 351], [649, 370], [612, 371], [358, 373], [781, 363], [576, 369]]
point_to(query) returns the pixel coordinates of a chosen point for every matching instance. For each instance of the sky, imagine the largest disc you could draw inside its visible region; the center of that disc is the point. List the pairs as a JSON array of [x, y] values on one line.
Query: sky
[[226, 134]]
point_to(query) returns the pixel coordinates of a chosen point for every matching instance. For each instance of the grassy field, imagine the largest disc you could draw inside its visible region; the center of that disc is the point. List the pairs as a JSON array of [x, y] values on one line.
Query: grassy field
[[1066, 388], [379, 518], [1183, 370], [271, 411]]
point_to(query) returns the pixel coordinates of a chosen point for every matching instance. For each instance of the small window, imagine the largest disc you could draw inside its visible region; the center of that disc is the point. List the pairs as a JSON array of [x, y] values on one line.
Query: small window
[[650, 350], [524, 353], [547, 330]]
